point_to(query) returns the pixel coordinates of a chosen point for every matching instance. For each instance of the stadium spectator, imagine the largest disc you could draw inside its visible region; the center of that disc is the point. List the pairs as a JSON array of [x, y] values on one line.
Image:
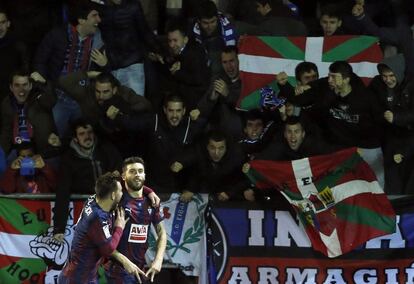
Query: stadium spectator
[[13, 54], [127, 38], [100, 97], [214, 31], [168, 135], [25, 113], [221, 98], [276, 19], [258, 133], [86, 159], [215, 169], [188, 72], [296, 144], [396, 97], [28, 173], [75, 46]]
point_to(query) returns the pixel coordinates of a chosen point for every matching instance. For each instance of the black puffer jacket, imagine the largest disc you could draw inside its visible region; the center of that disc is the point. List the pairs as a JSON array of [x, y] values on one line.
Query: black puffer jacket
[[78, 174], [126, 33]]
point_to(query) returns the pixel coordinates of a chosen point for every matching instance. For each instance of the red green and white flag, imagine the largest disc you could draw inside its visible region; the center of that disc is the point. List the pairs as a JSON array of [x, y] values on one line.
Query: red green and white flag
[[337, 198], [28, 253], [261, 58]]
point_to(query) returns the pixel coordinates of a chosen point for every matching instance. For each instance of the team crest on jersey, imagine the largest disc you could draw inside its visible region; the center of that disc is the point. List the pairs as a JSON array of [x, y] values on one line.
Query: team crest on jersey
[[138, 233], [149, 210]]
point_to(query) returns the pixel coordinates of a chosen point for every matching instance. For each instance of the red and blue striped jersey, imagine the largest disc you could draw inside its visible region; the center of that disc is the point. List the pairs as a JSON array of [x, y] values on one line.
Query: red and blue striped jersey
[[134, 241], [94, 239]]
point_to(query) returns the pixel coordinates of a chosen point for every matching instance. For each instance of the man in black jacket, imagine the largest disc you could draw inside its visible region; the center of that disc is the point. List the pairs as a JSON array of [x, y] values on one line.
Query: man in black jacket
[[85, 160], [168, 135], [215, 169], [186, 69], [25, 113], [73, 47], [127, 38], [395, 95], [350, 116]]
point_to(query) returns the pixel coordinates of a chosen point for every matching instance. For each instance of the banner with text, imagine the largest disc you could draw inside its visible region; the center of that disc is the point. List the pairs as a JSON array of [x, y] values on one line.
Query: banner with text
[[252, 245]]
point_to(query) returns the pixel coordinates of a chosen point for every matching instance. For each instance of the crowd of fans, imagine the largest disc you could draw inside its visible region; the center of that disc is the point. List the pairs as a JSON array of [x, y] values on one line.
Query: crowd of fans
[[160, 79]]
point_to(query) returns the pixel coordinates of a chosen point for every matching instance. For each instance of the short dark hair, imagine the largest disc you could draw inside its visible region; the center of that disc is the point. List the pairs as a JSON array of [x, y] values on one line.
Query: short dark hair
[[107, 77], [25, 145], [177, 25], [80, 122], [230, 49], [264, 2], [332, 11], [342, 67], [173, 97], [20, 73], [216, 135], [107, 183], [207, 10], [132, 160], [3, 11], [253, 114], [304, 67], [292, 120], [80, 9]]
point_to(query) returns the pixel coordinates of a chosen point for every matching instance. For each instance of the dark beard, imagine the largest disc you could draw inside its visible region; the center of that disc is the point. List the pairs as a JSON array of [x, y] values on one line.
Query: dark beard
[[131, 185]]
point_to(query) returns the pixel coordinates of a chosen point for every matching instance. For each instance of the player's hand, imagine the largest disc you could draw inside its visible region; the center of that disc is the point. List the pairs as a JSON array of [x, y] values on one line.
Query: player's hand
[[176, 167], [120, 220], [282, 78], [186, 196], [155, 200], [59, 237], [222, 196], [132, 269], [249, 194], [154, 269]]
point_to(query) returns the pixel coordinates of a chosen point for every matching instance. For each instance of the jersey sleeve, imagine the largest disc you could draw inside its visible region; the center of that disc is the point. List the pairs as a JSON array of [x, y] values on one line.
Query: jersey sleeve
[[100, 234]]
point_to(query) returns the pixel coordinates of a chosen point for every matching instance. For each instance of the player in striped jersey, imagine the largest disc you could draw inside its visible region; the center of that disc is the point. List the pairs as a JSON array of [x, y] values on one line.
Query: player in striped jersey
[[97, 234], [134, 241]]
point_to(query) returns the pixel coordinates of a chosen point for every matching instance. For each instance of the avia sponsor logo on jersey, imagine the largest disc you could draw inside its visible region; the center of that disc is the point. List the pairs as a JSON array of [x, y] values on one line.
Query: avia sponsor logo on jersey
[[138, 233]]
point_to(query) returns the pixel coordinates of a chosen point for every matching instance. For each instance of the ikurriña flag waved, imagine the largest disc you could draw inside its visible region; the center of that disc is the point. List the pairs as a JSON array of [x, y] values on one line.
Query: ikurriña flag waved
[[336, 197], [262, 57]]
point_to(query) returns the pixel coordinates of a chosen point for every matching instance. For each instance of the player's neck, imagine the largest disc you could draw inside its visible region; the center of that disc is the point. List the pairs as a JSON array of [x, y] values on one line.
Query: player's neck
[[135, 193], [105, 204]]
